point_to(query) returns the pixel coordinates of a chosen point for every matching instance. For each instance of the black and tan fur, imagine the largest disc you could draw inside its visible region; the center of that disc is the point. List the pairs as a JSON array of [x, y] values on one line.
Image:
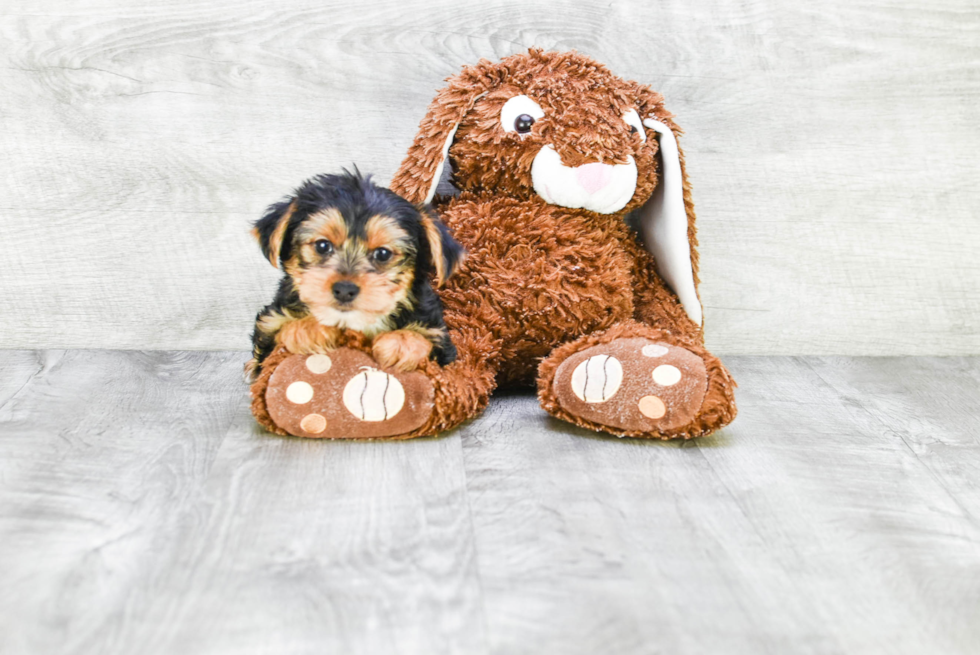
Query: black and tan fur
[[356, 256]]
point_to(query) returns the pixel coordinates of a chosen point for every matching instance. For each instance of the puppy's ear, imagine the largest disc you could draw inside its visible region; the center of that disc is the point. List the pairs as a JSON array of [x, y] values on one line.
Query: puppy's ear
[[270, 230], [446, 253], [420, 172]]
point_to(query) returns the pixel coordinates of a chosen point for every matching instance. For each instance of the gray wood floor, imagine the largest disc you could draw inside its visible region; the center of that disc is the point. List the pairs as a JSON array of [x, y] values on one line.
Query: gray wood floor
[[141, 511]]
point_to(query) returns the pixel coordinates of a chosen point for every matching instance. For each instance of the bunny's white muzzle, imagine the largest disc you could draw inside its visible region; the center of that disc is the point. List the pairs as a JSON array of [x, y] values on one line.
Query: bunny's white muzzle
[[600, 188]]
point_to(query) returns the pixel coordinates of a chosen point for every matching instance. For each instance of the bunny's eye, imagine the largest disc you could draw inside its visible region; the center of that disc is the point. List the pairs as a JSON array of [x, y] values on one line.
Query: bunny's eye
[[519, 114], [523, 123], [633, 120]]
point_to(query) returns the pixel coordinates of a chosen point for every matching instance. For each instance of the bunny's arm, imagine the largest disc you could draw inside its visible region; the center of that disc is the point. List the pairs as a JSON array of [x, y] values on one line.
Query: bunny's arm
[[653, 302]]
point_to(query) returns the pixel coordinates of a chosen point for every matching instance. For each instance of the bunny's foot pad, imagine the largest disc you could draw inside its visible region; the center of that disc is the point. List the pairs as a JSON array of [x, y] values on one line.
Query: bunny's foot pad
[[344, 395], [633, 384]]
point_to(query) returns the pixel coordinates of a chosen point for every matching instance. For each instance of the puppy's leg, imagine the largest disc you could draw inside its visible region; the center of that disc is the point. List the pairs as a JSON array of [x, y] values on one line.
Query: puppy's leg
[[268, 322], [306, 336], [407, 348]]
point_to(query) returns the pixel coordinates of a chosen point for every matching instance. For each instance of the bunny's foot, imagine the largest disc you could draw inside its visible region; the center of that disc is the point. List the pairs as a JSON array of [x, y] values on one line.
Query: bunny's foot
[[637, 386], [344, 394], [633, 384]]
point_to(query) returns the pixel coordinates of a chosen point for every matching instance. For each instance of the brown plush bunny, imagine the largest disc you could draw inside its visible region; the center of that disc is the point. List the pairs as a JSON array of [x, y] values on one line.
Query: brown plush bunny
[[581, 277]]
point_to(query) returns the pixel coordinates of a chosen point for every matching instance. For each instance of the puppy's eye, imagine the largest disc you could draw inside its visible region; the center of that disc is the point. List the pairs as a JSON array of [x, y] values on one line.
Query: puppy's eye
[[519, 113], [381, 255], [636, 127], [323, 247]]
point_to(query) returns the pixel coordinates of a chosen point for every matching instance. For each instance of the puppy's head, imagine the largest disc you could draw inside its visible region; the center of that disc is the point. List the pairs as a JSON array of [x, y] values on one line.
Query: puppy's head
[[353, 250]]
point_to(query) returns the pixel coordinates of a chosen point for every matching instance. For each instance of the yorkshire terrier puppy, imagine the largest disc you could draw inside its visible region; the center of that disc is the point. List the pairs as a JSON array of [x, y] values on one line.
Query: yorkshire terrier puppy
[[356, 256]]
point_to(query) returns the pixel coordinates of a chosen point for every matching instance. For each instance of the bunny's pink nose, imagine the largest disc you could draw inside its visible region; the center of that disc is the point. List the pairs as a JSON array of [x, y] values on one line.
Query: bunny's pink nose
[[593, 177]]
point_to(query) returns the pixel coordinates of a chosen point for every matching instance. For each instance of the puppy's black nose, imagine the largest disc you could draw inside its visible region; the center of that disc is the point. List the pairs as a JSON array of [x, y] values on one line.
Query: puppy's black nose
[[345, 291]]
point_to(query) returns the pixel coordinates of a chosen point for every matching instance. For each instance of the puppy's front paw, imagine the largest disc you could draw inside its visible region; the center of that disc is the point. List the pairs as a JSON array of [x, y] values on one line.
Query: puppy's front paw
[[307, 336], [402, 350]]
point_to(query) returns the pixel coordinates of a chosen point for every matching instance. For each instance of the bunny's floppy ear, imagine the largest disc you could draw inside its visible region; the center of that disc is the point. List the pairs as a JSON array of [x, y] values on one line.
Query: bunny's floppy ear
[[667, 222], [445, 251], [666, 228], [420, 172], [270, 230]]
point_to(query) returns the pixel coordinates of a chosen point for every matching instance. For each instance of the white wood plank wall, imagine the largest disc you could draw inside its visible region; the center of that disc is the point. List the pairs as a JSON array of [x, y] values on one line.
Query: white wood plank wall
[[833, 149]]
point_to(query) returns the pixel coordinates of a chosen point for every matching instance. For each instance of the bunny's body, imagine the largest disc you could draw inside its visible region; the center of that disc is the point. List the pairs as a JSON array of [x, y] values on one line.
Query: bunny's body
[[537, 276]]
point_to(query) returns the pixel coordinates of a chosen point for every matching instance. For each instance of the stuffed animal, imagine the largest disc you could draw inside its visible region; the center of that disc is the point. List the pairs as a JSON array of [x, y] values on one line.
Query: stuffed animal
[[567, 188]]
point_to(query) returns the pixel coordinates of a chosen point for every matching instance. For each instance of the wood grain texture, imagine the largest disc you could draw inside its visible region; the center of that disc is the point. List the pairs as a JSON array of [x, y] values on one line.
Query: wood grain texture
[[832, 148], [838, 514], [141, 511]]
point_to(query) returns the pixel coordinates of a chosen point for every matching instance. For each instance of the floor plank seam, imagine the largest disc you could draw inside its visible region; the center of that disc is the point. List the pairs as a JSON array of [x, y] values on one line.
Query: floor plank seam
[[27, 382], [903, 436], [459, 434]]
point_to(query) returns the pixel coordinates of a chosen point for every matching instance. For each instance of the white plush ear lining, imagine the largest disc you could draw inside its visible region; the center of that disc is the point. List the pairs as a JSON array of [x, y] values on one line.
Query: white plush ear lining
[[663, 225], [437, 179]]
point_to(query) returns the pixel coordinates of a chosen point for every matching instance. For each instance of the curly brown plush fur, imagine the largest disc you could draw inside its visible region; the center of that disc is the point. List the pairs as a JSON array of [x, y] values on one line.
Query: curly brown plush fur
[[545, 284], [542, 281]]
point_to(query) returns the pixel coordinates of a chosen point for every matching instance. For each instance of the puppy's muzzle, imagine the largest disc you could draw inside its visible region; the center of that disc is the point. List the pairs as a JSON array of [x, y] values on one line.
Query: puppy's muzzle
[[344, 291]]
